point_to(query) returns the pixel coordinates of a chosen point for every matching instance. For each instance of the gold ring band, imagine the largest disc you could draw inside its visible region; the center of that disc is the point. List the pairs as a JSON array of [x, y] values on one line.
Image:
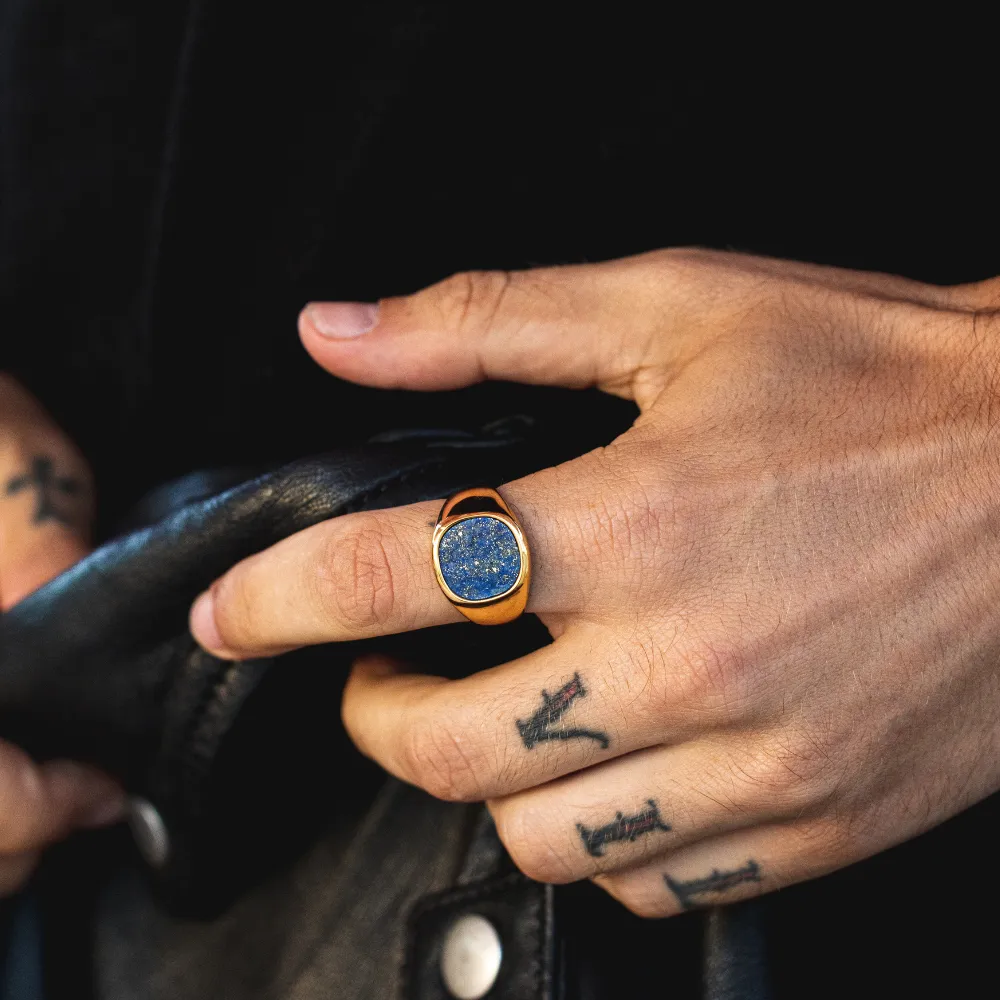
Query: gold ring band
[[481, 557]]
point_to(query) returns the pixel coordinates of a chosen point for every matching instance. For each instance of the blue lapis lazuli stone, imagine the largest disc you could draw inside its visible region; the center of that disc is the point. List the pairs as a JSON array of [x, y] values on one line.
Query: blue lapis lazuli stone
[[479, 558]]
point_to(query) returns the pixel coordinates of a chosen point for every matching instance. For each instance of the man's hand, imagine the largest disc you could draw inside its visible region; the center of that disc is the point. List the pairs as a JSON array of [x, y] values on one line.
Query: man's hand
[[775, 599], [46, 500]]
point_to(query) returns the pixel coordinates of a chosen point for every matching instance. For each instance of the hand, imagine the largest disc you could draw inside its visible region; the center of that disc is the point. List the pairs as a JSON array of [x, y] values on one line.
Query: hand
[[775, 599], [46, 500]]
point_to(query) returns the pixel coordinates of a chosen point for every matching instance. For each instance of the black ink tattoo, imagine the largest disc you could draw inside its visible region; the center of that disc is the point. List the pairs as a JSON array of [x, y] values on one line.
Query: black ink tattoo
[[716, 882], [47, 484], [538, 728], [622, 828]]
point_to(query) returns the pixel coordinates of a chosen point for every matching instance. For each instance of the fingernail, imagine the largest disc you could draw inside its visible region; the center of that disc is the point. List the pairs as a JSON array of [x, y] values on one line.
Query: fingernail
[[343, 319], [104, 813], [202, 623]]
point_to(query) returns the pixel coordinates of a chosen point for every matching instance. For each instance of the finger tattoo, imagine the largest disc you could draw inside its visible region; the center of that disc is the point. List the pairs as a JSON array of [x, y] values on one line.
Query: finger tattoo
[[622, 828], [538, 729], [687, 893], [48, 488]]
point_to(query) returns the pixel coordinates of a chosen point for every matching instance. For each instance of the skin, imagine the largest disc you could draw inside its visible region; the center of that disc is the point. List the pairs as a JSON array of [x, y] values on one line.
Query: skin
[[780, 587], [41, 803]]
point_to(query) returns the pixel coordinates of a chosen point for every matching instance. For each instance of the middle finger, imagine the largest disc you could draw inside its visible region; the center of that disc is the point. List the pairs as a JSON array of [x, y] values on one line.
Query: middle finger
[[564, 707]]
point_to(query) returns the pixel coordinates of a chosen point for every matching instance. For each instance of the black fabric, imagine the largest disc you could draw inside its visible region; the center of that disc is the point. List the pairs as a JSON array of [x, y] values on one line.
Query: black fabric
[[227, 162]]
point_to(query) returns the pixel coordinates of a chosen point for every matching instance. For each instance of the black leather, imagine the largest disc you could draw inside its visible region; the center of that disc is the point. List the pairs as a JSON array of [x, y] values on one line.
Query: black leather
[[736, 953], [238, 758]]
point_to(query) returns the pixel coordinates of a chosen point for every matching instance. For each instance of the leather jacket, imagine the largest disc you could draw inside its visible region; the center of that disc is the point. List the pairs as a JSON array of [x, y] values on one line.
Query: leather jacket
[[178, 179]]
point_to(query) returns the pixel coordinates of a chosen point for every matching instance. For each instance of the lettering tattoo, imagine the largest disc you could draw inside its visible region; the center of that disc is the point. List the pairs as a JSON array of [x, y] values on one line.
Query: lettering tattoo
[[622, 828], [686, 892], [48, 487], [538, 728]]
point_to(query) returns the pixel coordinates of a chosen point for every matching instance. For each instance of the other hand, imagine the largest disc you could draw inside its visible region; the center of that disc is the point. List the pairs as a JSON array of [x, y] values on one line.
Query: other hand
[[46, 503]]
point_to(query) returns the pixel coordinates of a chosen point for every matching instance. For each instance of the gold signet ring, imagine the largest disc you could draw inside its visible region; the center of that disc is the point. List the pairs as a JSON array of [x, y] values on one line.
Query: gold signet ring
[[481, 557]]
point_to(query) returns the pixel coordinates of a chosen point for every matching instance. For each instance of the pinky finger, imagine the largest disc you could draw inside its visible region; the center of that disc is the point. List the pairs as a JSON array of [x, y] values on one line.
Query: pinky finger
[[722, 869], [15, 870]]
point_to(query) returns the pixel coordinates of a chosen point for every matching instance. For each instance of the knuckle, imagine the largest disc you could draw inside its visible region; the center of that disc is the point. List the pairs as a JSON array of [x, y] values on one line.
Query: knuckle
[[626, 527], [358, 574], [713, 672], [526, 833], [795, 771], [830, 840], [436, 759], [707, 284], [629, 525], [471, 299], [690, 264]]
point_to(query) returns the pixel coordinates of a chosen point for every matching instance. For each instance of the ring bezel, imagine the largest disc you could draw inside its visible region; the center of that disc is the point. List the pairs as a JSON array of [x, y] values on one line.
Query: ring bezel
[[484, 502]]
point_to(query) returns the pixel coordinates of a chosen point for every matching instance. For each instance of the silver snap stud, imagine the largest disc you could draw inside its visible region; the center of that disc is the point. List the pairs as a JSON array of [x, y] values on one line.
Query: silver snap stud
[[149, 832], [470, 957]]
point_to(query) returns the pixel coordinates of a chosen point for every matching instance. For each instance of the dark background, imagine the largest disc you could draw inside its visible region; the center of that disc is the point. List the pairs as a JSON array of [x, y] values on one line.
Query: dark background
[[179, 179]]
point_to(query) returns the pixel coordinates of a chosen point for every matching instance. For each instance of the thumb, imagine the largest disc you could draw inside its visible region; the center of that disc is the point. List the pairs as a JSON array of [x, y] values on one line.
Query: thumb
[[574, 326]]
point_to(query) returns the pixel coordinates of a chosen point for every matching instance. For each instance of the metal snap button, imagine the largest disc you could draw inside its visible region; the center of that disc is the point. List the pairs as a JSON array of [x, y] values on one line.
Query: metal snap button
[[470, 957], [149, 832]]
